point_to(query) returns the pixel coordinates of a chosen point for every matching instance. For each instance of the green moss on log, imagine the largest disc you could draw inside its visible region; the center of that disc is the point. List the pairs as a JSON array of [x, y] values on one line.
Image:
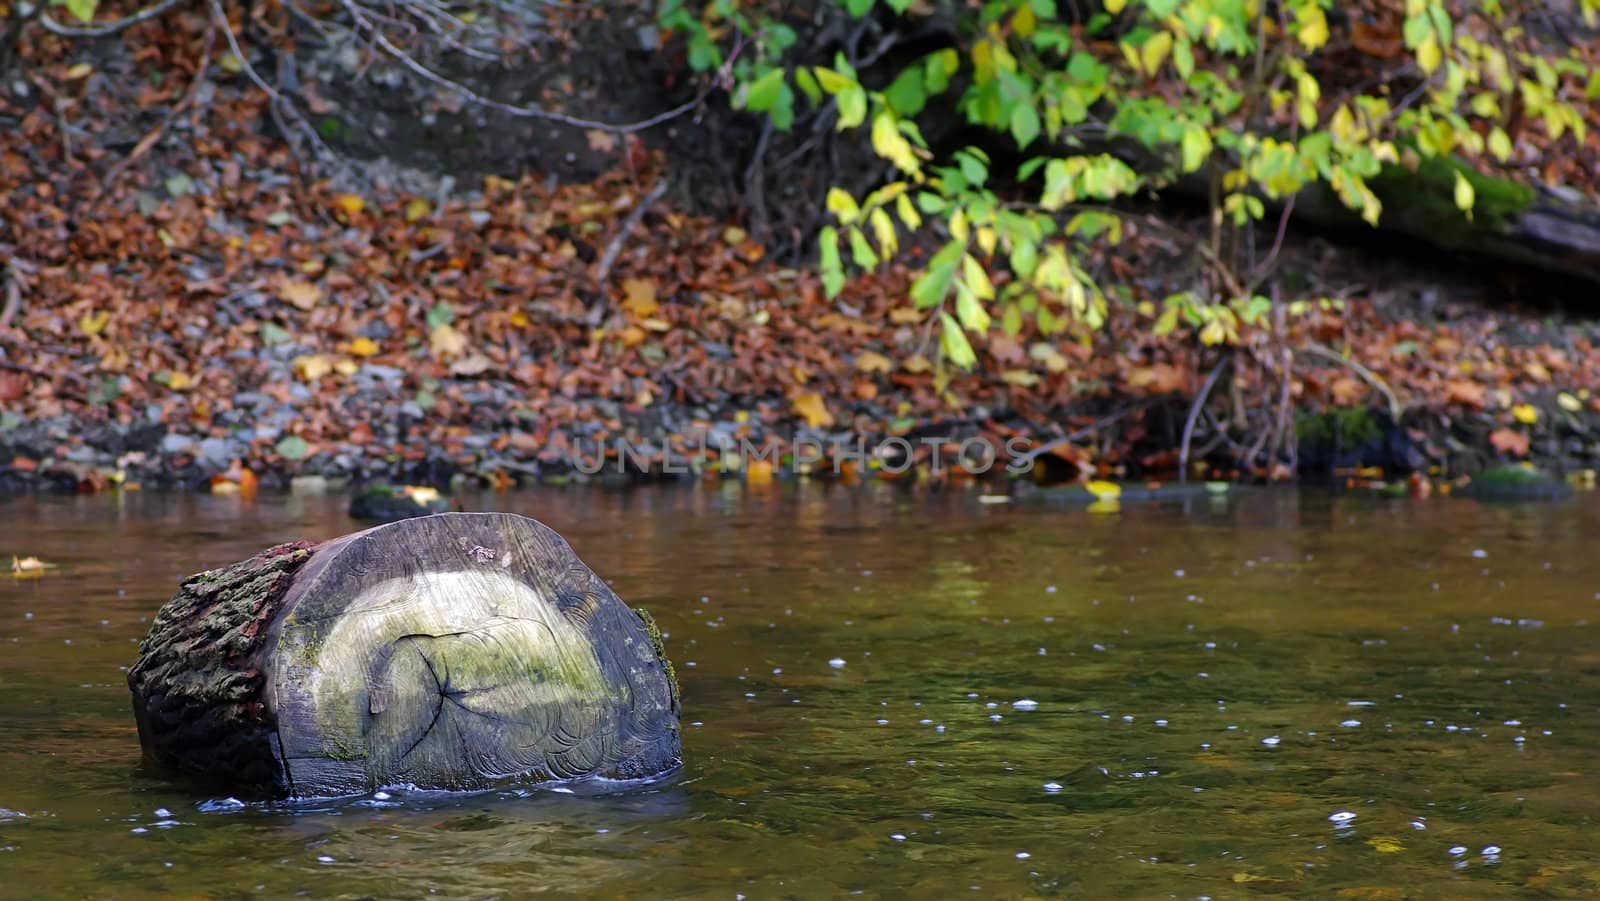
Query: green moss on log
[[660, 647], [1426, 197]]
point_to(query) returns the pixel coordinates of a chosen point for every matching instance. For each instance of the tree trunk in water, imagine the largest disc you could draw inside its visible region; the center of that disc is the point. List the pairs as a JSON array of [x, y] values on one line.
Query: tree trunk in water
[[458, 651]]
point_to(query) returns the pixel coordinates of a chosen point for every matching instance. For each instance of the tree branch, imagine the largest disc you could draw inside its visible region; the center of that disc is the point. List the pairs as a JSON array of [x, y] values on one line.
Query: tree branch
[[408, 61], [109, 28]]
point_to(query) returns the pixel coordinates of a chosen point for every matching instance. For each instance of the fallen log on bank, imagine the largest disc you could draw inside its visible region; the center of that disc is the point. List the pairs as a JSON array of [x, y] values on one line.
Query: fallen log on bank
[[1553, 229], [460, 651]]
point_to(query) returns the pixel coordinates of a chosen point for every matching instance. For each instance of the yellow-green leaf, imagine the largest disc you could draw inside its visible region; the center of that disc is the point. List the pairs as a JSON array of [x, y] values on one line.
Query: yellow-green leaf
[[1154, 52], [1428, 54], [975, 278], [883, 230], [842, 205], [892, 145], [955, 344], [94, 323], [908, 212], [1499, 144], [1464, 194], [832, 81], [1313, 30]]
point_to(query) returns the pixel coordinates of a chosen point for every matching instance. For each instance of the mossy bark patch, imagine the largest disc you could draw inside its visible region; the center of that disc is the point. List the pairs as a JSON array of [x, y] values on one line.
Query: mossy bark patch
[[199, 689]]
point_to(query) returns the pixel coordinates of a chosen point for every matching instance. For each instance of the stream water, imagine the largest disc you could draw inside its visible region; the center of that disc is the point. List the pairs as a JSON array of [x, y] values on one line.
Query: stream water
[[898, 695]]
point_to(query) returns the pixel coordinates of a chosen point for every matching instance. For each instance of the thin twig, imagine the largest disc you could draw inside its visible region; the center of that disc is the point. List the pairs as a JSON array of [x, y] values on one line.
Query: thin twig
[[754, 190], [276, 101], [609, 258], [151, 139], [1078, 435], [1265, 268], [13, 296], [110, 28], [1194, 414], [1280, 426], [1367, 375], [44, 373], [405, 59]]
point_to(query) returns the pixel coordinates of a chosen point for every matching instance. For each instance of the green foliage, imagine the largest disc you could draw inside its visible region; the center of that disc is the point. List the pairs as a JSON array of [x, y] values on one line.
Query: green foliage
[[82, 10], [1224, 90], [1349, 427]]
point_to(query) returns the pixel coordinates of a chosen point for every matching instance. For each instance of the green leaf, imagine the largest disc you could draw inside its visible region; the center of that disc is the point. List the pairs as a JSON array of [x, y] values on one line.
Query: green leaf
[[858, 8], [852, 106], [955, 344], [938, 68], [273, 334], [972, 168], [1167, 321], [783, 113], [441, 314], [1024, 124], [832, 268], [831, 81], [1011, 320], [293, 447], [808, 85], [905, 94], [929, 289], [860, 251], [1024, 257], [1465, 196], [969, 311], [82, 10], [1196, 147], [762, 94]]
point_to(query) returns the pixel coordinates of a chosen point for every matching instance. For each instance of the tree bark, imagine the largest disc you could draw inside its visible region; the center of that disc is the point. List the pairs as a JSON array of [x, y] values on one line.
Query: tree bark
[[460, 651]]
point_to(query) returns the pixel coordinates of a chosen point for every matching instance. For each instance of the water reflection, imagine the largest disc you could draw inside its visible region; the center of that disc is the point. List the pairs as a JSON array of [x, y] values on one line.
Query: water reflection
[[903, 694]]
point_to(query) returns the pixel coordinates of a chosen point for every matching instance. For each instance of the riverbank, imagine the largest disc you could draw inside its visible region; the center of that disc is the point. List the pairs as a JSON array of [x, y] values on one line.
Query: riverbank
[[178, 314]]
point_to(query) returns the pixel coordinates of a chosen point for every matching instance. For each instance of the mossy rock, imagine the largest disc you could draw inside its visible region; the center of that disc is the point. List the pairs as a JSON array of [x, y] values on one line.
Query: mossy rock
[[389, 503], [1516, 483]]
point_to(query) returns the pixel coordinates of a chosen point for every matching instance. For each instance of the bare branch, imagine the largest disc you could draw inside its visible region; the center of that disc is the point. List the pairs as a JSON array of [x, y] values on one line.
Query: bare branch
[[1194, 414], [628, 224], [177, 110], [408, 61], [278, 102], [1367, 375], [109, 28]]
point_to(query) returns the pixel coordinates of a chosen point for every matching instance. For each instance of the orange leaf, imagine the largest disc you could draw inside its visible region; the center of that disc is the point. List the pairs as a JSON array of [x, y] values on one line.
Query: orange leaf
[[1509, 441], [640, 297], [869, 362], [1347, 391], [813, 410], [363, 347], [1467, 394], [349, 204], [300, 293]]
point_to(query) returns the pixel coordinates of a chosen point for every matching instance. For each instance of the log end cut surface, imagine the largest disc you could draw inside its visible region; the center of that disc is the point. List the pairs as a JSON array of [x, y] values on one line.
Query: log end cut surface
[[463, 651]]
